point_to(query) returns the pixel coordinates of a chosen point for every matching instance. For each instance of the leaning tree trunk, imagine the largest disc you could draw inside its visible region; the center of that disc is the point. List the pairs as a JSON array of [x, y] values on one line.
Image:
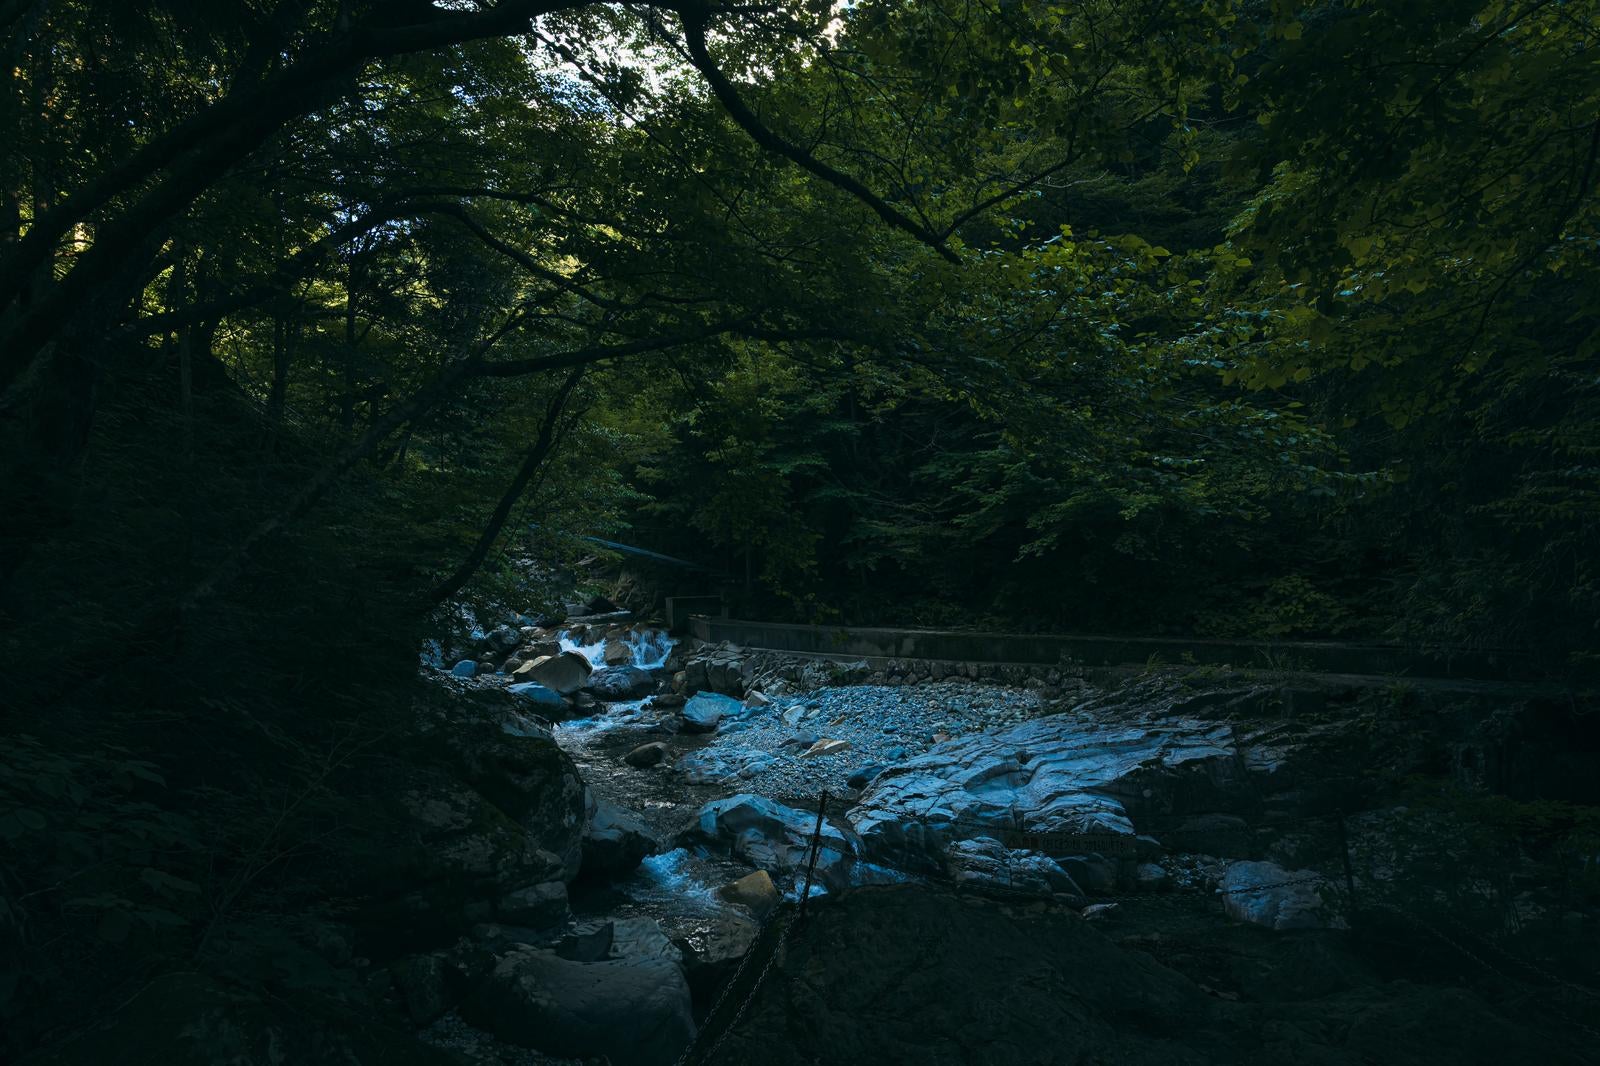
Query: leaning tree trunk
[[531, 464]]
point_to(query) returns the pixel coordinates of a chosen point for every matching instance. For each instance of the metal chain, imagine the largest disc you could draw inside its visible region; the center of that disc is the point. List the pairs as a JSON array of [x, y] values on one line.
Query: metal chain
[[1527, 965], [733, 1023], [1467, 953], [777, 949]]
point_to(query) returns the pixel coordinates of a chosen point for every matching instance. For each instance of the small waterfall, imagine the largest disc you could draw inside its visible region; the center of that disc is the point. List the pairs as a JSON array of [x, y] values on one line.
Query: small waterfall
[[648, 648]]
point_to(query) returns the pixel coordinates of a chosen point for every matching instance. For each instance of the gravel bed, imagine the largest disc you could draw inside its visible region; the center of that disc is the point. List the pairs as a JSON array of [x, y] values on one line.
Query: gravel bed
[[883, 724]]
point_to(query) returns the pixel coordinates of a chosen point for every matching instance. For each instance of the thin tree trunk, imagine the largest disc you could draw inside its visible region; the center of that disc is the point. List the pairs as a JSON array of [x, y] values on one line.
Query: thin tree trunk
[[531, 464], [347, 397], [277, 393]]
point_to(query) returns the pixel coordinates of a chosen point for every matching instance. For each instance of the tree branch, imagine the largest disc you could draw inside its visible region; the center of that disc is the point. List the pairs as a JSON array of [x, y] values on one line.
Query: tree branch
[[695, 19]]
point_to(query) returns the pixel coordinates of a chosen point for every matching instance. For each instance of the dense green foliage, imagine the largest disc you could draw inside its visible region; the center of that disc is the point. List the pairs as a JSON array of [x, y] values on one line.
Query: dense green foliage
[[1210, 317]]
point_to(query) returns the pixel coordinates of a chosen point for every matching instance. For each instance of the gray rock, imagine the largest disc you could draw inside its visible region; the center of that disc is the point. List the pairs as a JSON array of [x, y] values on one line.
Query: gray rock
[[729, 767], [545, 700], [590, 943], [565, 673], [642, 938], [616, 683], [615, 842], [1148, 877], [862, 777], [1087, 773], [503, 638], [776, 838], [1255, 892], [646, 755], [484, 802], [538, 649], [702, 713], [536, 907], [1094, 872], [464, 668]]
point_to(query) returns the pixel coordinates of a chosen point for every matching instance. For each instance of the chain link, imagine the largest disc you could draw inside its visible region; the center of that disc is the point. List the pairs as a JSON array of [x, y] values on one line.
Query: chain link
[[744, 1005], [1461, 949]]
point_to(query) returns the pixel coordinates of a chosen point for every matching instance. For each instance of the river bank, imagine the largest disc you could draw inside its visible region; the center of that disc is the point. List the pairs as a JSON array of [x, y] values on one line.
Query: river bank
[[1183, 786]]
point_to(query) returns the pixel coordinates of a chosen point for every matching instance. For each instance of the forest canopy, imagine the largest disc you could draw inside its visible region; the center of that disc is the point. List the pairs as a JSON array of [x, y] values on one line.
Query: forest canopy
[[934, 310], [321, 318]]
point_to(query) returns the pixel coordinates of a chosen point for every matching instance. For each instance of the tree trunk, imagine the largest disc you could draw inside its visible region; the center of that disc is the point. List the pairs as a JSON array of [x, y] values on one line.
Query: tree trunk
[[531, 465]]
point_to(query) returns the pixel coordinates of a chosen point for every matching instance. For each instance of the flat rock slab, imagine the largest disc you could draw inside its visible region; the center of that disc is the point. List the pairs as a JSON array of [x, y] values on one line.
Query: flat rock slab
[[1072, 783]]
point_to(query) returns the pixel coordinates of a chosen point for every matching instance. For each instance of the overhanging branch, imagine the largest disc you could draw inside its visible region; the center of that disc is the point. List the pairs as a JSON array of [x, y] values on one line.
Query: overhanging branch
[[695, 20]]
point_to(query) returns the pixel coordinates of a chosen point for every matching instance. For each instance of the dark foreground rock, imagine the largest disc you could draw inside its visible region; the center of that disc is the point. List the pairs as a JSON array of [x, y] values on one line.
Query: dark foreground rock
[[615, 842], [186, 1019], [909, 974], [632, 1006]]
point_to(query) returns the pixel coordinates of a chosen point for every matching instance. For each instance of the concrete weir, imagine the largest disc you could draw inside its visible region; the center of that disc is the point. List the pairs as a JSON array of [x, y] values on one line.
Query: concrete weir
[[884, 643]]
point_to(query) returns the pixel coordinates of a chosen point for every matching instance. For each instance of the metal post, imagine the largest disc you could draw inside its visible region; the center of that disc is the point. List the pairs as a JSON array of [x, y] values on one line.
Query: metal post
[[1349, 874], [816, 846]]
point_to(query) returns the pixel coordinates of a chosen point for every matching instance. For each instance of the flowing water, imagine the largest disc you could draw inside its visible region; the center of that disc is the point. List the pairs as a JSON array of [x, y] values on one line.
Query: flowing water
[[676, 887]]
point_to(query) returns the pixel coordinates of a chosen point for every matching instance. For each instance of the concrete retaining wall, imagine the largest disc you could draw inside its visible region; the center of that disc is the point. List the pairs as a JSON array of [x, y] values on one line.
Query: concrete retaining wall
[[1055, 649]]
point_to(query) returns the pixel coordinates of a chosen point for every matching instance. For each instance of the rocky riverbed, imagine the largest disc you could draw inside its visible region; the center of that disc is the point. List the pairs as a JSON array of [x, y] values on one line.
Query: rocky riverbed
[[702, 771]]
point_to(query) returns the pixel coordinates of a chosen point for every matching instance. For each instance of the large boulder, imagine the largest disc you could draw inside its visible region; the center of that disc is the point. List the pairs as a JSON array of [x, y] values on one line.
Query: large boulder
[[718, 669], [1265, 894], [538, 649], [646, 755], [484, 802], [701, 713], [502, 639], [632, 1007], [776, 838], [565, 673], [615, 842], [617, 683]]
